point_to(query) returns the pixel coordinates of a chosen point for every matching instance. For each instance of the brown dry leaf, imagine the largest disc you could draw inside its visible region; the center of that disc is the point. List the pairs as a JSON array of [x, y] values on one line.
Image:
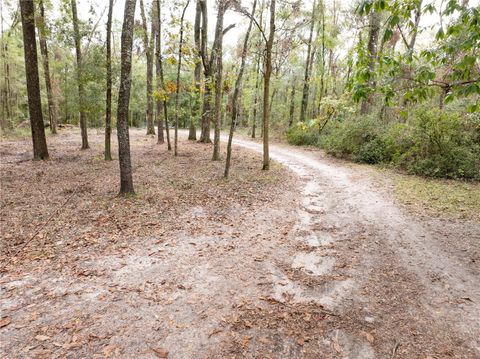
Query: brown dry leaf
[[369, 337], [160, 352], [42, 338], [5, 321], [337, 346]]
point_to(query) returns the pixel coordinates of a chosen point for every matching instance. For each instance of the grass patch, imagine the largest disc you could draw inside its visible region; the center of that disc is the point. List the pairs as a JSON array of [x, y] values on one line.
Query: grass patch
[[444, 197]]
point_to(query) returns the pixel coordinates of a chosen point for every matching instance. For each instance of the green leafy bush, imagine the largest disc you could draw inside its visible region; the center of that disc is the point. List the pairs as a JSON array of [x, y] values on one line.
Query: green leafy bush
[[302, 135], [431, 143]]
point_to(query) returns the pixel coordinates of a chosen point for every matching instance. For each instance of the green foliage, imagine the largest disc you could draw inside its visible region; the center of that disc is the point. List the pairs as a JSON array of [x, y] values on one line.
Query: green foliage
[[431, 143], [300, 135]]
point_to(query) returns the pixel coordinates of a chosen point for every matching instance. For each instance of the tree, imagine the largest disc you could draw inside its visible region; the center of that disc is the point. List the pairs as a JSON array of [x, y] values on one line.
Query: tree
[[192, 134], [217, 56], [40, 151], [236, 92], [308, 63], [179, 66], [148, 44], [126, 180], [266, 86], [81, 88], [257, 73], [108, 107], [161, 93], [374, 28], [52, 106], [208, 72]]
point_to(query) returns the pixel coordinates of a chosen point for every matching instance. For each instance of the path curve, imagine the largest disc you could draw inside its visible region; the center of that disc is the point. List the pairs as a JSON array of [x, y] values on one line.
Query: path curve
[[336, 202]]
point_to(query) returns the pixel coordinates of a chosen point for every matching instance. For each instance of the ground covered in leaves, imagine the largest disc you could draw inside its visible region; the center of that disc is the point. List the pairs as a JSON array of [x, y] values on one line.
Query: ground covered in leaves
[[316, 262]]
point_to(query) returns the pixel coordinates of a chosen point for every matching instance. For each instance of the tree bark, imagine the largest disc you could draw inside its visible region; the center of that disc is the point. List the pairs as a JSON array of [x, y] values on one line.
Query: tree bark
[[192, 134], [292, 105], [306, 81], [161, 100], [208, 73], [177, 89], [266, 86], [217, 56], [322, 74], [81, 88], [236, 93], [148, 44], [374, 28], [108, 107], [126, 180], [40, 151], [52, 106]]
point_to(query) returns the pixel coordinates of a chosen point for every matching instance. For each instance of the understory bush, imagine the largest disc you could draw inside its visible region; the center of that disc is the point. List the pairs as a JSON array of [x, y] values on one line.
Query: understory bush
[[430, 143]]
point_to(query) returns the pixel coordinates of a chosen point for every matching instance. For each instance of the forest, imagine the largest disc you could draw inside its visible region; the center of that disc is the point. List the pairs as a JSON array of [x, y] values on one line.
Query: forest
[[240, 178]]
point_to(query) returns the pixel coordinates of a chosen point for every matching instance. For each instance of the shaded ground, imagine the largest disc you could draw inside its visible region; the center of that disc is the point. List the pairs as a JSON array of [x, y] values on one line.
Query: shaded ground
[[314, 263]]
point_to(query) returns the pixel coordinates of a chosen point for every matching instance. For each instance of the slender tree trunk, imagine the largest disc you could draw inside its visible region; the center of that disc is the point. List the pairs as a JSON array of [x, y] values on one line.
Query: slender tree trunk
[[208, 73], [161, 100], [236, 92], [126, 180], [148, 44], [192, 134], [292, 105], [40, 151], [372, 54], [177, 89], [257, 76], [217, 55], [322, 74], [108, 107], [52, 107], [266, 86], [206, 110], [81, 88], [306, 81], [255, 99]]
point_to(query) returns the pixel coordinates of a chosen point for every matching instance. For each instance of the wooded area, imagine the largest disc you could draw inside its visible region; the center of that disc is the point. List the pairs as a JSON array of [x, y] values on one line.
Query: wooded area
[[202, 103], [377, 81]]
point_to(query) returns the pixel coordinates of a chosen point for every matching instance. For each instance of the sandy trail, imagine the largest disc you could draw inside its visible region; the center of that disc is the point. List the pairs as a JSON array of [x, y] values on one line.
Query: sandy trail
[[336, 203]]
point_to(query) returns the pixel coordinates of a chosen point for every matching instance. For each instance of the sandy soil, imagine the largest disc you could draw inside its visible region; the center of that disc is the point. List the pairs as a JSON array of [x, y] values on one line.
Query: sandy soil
[[316, 263]]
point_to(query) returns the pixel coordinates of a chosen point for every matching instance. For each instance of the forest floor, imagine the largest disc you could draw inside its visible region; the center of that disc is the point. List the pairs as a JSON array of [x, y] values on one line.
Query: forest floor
[[314, 259]]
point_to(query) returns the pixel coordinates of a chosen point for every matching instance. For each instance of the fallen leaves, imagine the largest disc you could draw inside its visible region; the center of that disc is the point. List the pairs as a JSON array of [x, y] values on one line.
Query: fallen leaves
[[42, 338], [160, 353], [5, 321]]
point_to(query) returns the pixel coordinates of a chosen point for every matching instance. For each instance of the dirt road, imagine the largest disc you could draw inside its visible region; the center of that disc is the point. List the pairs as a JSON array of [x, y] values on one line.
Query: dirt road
[[406, 279], [324, 265]]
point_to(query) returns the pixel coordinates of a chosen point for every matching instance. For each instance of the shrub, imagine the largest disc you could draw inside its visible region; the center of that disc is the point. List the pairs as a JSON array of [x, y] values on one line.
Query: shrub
[[302, 135], [431, 143]]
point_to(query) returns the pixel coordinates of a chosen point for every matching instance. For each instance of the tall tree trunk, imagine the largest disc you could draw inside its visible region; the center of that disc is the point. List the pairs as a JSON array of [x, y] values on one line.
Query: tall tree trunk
[[148, 44], [208, 73], [126, 180], [192, 134], [322, 74], [81, 88], [306, 81], [374, 28], [161, 100], [292, 105], [236, 92], [52, 107], [217, 56], [257, 75], [266, 86], [40, 151], [255, 98], [179, 67], [108, 107]]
